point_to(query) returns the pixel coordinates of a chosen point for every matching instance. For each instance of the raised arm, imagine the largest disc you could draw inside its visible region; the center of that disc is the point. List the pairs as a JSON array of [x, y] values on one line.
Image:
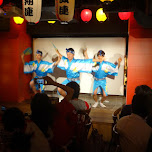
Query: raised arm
[[22, 58], [119, 62], [56, 63], [57, 51], [85, 54], [69, 90]]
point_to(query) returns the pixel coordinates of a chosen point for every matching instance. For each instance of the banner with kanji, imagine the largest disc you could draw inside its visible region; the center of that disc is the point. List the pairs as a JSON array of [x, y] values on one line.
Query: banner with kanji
[[64, 9], [32, 10]]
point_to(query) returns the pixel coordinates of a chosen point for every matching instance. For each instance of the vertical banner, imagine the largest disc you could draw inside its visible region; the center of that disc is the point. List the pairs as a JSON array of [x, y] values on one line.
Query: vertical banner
[[32, 10], [64, 9]]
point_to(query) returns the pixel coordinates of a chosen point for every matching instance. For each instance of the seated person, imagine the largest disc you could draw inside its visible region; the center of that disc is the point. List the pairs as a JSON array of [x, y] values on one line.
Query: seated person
[[77, 103], [134, 133], [139, 90], [18, 134], [65, 118]]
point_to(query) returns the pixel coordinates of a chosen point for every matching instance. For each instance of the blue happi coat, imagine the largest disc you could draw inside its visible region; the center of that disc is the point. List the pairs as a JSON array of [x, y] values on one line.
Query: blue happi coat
[[41, 69], [103, 69], [74, 68]]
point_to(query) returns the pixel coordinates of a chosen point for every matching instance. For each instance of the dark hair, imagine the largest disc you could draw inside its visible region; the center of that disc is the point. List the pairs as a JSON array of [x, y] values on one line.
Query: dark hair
[[71, 49], [13, 118], [76, 88], [42, 111], [101, 52], [14, 123], [142, 89], [142, 104], [39, 52]]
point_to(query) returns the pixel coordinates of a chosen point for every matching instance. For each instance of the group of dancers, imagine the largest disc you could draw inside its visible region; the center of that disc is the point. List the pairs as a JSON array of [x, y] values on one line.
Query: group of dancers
[[73, 68]]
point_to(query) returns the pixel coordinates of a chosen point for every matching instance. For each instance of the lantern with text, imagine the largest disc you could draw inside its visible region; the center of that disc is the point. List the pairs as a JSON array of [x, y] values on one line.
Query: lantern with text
[[100, 15], [18, 20], [32, 10], [1, 2], [106, 1], [64, 10], [124, 15], [86, 15]]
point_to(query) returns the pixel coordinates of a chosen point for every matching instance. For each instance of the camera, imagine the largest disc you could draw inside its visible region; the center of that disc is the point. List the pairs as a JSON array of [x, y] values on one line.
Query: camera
[[40, 81], [3, 108]]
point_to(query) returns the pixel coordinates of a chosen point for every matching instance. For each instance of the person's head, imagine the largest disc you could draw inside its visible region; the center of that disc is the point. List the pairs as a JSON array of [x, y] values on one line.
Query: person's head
[[70, 53], [142, 89], [13, 119], [14, 123], [142, 104], [42, 111], [76, 89], [38, 55], [100, 54]]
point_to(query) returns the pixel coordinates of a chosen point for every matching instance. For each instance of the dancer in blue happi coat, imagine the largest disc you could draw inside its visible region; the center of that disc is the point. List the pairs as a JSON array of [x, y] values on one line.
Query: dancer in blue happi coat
[[40, 67], [102, 70], [73, 67]]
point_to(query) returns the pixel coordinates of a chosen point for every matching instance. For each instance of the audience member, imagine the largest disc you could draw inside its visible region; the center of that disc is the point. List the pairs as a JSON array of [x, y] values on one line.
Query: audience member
[[64, 120], [77, 103], [133, 131], [42, 113], [139, 90], [17, 134]]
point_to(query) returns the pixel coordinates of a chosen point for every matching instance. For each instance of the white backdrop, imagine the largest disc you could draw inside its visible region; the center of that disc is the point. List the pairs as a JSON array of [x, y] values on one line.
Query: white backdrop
[[113, 47]]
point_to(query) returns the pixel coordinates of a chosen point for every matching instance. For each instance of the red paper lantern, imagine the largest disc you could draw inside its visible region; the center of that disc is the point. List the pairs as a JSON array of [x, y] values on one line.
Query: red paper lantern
[[1, 2], [86, 15], [124, 15]]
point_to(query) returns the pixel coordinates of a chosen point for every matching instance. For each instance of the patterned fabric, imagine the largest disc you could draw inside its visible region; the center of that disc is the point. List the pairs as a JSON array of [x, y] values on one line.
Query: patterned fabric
[[101, 71], [41, 69], [76, 66]]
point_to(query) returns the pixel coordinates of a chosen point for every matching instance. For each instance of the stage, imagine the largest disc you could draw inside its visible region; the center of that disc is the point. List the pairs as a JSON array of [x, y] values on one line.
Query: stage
[[101, 117]]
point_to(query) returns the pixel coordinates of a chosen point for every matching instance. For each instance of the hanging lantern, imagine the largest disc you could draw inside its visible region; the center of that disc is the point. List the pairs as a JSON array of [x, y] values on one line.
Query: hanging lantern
[[106, 1], [32, 10], [86, 15], [124, 15], [1, 2], [100, 15], [37, 22], [51, 22], [64, 10], [18, 20]]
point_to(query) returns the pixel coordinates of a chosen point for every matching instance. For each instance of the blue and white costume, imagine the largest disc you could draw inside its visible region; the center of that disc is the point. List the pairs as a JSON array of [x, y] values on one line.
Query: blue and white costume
[[105, 68], [41, 69], [74, 68]]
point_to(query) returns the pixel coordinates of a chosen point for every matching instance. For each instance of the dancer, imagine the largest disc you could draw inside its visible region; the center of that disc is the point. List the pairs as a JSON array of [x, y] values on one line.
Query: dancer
[[40, 67], [103, 69], [73, 67]]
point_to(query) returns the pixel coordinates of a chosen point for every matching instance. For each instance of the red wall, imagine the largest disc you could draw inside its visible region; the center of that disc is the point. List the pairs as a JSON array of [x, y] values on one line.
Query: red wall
[[139, 58], [13, 82]]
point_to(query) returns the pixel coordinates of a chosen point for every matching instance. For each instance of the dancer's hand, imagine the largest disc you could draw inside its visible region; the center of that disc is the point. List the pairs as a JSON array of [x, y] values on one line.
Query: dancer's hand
[[56, 63], [57, 51], [85, 53], [119, 60], [22, 57]]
